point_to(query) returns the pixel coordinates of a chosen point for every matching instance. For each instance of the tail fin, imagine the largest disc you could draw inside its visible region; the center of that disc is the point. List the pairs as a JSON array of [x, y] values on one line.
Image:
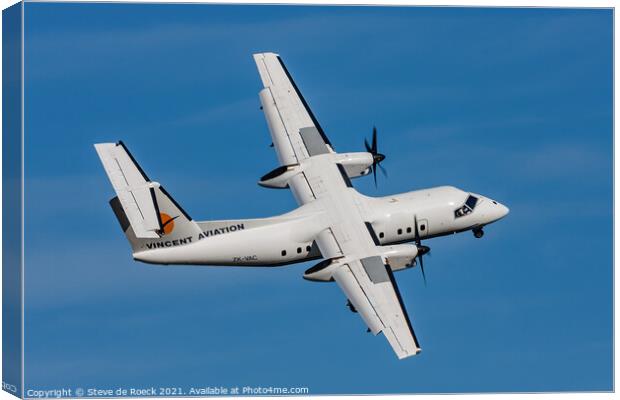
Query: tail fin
[[148, 215]]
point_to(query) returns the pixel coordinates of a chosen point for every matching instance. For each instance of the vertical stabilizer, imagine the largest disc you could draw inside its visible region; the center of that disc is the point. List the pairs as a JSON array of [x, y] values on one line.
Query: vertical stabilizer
[[148, 215]]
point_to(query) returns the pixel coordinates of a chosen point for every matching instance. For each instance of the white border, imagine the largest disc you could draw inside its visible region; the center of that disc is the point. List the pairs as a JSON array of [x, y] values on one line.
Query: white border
[[489, 3]]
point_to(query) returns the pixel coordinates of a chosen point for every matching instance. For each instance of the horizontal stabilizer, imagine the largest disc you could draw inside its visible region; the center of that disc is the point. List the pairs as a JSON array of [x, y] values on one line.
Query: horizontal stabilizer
[[133, 188]]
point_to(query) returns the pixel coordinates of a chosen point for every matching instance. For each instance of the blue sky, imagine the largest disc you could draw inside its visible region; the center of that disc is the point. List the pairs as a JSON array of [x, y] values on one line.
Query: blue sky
[[512, 103]]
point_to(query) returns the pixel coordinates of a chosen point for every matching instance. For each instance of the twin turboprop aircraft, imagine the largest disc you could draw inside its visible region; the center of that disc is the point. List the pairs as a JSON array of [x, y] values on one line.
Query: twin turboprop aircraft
[[362, 240]]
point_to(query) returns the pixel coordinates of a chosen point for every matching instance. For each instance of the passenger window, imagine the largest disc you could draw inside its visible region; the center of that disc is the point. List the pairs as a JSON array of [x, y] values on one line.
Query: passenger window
[[308, 248], [409, 230], [422, 227], [283, 253], [299, 250], [381, 235], [400, 231]]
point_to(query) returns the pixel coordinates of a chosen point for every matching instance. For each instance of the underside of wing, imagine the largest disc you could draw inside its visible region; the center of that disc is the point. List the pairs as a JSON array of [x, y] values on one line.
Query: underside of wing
[[371, 289], [295, 131], [300, 141]]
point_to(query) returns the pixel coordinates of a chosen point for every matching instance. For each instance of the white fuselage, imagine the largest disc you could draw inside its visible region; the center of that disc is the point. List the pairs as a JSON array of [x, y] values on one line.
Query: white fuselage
[[288, 238]]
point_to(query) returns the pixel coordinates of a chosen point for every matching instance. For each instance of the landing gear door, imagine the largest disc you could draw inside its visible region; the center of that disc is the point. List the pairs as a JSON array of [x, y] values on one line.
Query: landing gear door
[[423, 227]]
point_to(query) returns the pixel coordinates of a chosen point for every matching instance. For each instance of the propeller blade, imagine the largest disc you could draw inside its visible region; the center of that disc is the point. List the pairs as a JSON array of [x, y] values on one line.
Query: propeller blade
[[377, 158], [422, 269], [374, 139], [418, 243], [374, 173], [383, 170], [415, 231]]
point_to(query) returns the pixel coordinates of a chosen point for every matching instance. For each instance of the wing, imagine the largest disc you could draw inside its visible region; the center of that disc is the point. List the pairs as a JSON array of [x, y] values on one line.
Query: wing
[[300, 142], [367, 282], [295, 132], [370, 287]]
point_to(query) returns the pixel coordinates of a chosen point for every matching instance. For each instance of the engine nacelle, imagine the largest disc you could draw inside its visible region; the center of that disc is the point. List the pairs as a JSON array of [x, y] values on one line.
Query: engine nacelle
[[397, 257], [355, 164], [323, 271], [279, 177], [400, 256]]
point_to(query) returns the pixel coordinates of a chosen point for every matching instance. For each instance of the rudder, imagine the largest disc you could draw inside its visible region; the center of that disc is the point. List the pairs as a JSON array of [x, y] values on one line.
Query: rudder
[[148, 215]]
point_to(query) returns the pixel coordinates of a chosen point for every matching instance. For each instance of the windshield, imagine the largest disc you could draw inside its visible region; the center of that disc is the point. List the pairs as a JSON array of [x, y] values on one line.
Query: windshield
[[466, 208], [471, 201]]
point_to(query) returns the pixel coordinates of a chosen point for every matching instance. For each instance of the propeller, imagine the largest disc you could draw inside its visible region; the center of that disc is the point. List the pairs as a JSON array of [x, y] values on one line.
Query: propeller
[[421, 249], [376, 156]]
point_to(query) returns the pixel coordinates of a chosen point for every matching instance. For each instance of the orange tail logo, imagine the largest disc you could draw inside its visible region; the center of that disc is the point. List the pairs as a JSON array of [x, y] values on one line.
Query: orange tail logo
[[167, 223]]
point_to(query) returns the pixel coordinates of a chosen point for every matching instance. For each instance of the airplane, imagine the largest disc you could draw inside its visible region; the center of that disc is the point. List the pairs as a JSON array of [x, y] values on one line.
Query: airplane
[[361, 240]]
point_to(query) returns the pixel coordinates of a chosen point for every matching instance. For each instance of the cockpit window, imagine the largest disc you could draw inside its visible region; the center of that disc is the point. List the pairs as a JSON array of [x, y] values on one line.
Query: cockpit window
[[471, 201], [466, 208]]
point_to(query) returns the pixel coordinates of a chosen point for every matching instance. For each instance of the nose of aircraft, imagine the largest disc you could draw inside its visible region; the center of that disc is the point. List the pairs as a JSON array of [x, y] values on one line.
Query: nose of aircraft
[[499, 211], [504, 210]]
